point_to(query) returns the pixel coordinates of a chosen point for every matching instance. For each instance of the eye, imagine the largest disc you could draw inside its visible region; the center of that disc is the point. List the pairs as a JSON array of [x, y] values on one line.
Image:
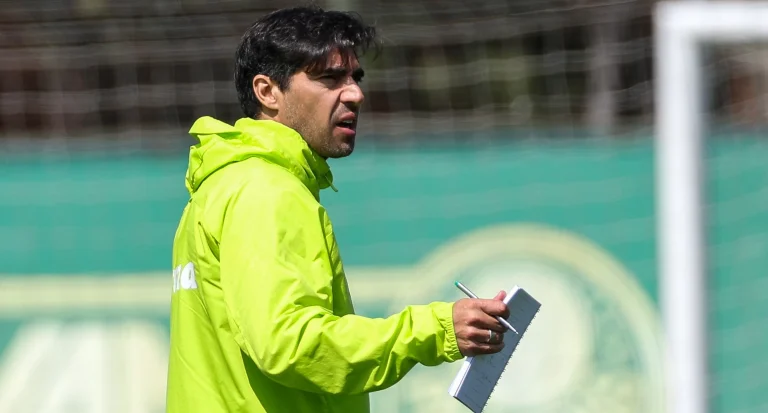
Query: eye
[[329, 79]]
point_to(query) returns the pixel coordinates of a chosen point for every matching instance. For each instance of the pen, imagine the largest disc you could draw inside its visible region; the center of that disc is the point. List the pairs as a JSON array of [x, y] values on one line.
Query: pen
[[470, 294]]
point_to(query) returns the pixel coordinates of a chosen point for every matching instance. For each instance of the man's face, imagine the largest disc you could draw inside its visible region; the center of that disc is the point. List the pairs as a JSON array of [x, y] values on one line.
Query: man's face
[[324, 107]]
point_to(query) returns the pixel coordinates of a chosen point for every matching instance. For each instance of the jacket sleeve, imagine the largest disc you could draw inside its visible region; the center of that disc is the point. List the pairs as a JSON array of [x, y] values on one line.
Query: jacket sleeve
[[277, 283]]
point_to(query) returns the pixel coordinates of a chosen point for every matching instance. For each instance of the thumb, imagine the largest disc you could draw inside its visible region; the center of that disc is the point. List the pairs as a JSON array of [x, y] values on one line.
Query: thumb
[[500, 296]]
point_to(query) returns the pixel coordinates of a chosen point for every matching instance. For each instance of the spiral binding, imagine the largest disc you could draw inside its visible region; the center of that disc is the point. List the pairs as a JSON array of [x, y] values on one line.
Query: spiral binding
[[504, 370]]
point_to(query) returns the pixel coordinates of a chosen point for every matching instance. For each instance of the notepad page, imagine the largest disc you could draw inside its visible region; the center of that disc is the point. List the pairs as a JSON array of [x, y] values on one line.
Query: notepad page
[[479, 375]]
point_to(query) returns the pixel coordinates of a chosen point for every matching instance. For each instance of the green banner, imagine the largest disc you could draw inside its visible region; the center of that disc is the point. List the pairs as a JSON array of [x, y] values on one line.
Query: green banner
[[86, 245]]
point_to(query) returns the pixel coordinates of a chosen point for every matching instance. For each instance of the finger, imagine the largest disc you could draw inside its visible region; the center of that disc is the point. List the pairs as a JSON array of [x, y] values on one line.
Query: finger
[[483, 321], [500, 296], [487, 348], [493, 307], [493, 337], [482, 336]]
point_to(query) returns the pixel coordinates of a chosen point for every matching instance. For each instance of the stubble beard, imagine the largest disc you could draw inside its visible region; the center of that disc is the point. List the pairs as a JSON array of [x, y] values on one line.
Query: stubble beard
[[321, 139]]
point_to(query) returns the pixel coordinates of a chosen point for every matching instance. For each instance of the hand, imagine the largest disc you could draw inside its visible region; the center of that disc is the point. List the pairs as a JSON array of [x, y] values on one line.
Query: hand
[[472, 318]]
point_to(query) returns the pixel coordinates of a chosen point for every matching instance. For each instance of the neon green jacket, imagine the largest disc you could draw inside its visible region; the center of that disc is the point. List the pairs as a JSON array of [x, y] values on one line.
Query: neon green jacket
[[261, 316]]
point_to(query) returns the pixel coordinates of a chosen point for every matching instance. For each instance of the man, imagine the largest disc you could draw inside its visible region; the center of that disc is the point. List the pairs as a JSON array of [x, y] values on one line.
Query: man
[[261, 316]]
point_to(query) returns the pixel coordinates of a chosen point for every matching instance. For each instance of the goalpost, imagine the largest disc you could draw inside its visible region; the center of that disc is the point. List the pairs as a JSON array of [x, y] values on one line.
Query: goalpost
[[682, 28]]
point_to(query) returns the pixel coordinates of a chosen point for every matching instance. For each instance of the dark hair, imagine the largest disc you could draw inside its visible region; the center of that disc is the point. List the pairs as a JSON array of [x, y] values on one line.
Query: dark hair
[[287, 41]]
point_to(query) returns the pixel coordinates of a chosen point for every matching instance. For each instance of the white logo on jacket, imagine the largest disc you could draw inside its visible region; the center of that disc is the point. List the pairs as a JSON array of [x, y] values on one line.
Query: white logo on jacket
[[184, 278]]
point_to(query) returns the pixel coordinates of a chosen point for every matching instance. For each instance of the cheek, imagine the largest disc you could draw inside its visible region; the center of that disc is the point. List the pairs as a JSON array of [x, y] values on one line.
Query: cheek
[[320, 113], [307, 118], [326, 104], [312, 111]]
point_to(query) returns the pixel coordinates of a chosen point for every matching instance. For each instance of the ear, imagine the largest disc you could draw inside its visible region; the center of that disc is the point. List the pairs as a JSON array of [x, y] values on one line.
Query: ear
[[267, 92]]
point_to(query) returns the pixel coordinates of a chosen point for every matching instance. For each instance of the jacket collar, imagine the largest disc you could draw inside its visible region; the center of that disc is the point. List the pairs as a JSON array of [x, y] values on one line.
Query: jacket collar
[[222, 144]]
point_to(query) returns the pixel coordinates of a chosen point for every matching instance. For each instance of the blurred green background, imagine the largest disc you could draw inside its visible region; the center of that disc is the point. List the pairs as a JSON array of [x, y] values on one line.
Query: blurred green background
[[110, 216], [501, 143]]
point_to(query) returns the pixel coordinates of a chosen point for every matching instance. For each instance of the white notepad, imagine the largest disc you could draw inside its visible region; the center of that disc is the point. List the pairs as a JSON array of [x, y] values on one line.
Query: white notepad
[[478, 376]]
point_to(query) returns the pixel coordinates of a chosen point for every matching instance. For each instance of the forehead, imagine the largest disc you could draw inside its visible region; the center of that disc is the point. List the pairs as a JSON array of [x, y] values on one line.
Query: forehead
[[336, 59], [346, 59]]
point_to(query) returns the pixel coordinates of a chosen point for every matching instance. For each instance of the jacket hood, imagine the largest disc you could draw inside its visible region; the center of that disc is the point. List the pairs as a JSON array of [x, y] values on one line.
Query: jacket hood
[[222, 144]]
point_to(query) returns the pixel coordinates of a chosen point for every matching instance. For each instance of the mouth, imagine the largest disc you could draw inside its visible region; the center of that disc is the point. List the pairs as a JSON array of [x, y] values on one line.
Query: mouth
[[348, 125]]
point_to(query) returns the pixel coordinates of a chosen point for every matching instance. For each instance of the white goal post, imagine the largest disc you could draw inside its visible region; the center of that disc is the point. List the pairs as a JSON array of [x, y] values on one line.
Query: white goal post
[[681, 30]]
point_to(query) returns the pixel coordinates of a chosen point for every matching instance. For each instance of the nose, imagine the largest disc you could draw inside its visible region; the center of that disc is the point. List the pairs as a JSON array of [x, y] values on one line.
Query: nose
[[352, 95]]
